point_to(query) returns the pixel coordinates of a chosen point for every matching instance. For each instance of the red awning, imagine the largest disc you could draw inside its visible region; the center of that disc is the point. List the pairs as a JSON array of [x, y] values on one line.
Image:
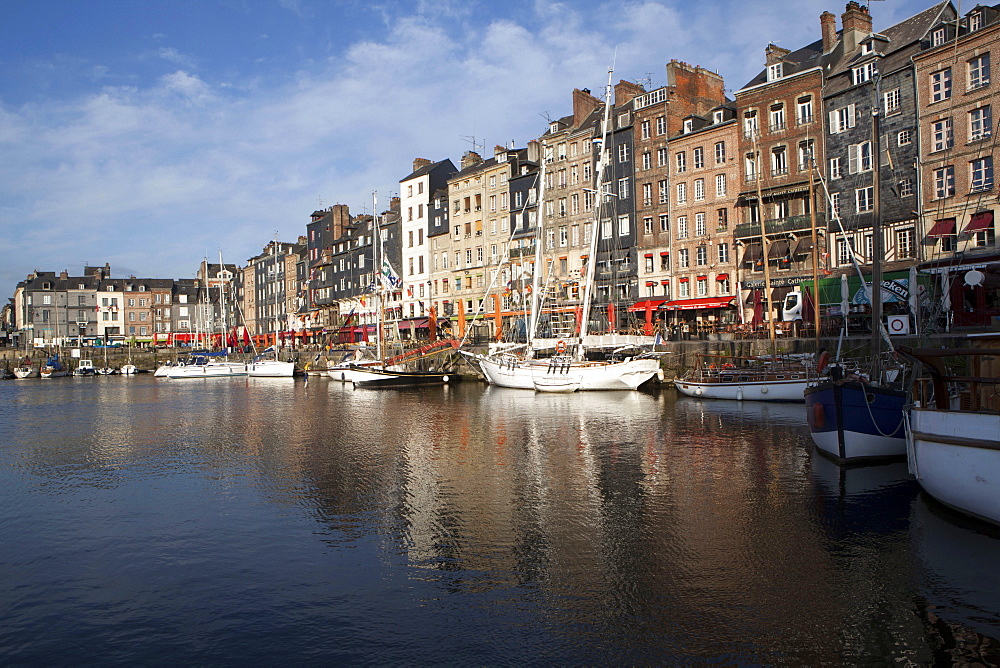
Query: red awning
[[980, 221], [647, 304], [648, 283], [704, 302], [664, 253], [685, 279], [722, 277], [943, 228], [648, 255]]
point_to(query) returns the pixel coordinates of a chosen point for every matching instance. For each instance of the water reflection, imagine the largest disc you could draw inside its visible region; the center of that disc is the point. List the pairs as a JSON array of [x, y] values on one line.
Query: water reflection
[[456, 524]]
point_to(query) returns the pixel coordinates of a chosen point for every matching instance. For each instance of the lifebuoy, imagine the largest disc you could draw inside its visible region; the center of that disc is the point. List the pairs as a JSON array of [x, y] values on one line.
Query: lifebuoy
[[561, 347], [823, 361], [711, 367], [819, 416], [728, 365]]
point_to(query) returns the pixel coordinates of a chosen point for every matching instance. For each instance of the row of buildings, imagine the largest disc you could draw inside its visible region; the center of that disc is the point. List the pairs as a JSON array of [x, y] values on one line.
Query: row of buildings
[[708, 200]]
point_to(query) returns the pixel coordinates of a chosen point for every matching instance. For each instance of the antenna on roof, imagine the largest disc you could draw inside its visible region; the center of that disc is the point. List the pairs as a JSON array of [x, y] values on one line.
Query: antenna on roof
[[475, 146], [546, 116]]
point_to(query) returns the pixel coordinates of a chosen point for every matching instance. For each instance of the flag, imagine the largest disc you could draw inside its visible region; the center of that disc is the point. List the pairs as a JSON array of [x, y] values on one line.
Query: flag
[[390, 278]]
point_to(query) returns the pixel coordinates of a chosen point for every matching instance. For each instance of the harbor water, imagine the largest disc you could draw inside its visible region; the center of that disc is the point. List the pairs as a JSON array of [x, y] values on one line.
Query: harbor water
[[226, 521]]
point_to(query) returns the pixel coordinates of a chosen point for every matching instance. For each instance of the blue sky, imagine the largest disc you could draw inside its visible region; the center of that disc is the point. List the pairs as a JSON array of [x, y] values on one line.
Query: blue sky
[[150, 134]]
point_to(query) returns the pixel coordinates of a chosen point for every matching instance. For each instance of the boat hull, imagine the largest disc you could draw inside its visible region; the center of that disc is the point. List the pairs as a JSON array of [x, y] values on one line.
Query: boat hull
[[400, 379], [955, 456], [349, 373], [25, 372], [214, 370], [764, 390], [271, 369], [624, 375], [854, 421]]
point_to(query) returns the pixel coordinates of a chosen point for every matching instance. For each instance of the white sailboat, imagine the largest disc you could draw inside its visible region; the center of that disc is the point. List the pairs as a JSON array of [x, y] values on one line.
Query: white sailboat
[[625, 370]]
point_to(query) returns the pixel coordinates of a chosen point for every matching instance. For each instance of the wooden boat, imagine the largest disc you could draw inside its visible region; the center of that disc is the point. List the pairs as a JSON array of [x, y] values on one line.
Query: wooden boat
[[26, 369], [746, 378], [382, 378], [557, 383], [953, 435]]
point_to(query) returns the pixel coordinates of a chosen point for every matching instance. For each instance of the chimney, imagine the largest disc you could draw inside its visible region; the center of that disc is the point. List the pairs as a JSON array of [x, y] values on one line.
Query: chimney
[[583, 104], [857, 24], [828, 26], [420, 162], [775, 54], [471, 158], [626, 91], [534, 151], [64, 274]]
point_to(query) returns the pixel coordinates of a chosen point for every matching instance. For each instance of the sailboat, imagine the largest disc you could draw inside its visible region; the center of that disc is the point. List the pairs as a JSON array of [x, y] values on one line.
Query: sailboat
[[859, 416], [385, 373], [54, 368], [267, 364], [565, 371], [26, 369]]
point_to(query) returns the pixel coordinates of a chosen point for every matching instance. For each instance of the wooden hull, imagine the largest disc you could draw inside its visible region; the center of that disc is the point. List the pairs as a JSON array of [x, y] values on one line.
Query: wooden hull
[[955, 455], [400, 379]]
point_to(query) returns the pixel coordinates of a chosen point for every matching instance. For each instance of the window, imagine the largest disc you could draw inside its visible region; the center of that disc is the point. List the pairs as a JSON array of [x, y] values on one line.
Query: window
[[904, 243], [975, 21], [682, 193], [804, 110], [683, 289], [681, 161], [905, 187], [623, 188], [938, 37], [979, 71], [647, 162], [661, 125], [698, 155], [722, 219], [699, 190], [702, 287], [776, 117], [720, 185], [980, 123], [647, 194], [859, 157], [864, 72], [664, 196], [941, 136], [623, 226], [835, 203], [644, 129], [779, 161], [774, 72], [720, 152], [982, 174], [723, 250], [682, 227], [944, 182], [661, 157], [750, 123], [845, 250], [688, 125], [805, 154], [647, 225], [699, 224], [842, 119], [835, 168], [623, 153], [890, 101], [751, 166], [684, 261], [864, 198], [904, 137], [664, 223], [941, 85]]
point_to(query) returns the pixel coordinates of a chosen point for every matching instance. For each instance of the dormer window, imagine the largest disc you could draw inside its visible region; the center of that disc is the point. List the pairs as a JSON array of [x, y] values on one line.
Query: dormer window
[[46, 286], [717, 117], [688, 125], [865, 73], [554, 127], [774, 72], [938, 37], [975, 21], [867, 48]]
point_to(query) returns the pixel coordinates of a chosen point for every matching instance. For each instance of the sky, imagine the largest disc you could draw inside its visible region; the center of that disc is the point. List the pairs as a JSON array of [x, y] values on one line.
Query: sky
[[151, 134]]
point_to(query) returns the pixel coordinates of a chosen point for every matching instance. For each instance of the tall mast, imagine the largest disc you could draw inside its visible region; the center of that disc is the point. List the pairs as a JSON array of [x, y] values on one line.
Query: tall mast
[[536, 277], [764, 251], [380, 278], [598, 202], [222, 299], [277, 284], [877, 246], [815, 250]]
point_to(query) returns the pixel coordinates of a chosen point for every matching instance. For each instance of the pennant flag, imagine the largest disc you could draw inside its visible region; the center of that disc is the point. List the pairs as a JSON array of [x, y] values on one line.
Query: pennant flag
[[390, 278]]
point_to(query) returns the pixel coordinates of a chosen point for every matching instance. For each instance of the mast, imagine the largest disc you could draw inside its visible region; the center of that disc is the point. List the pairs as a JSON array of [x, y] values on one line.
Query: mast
[[380, 280], [277, 284], [598, 202], [877, 247], [815, 251], [222, 300], [763, 246], [536, 278]]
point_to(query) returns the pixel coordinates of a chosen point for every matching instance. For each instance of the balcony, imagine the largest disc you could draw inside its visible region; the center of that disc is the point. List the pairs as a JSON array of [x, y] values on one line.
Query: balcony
[[790, 224]]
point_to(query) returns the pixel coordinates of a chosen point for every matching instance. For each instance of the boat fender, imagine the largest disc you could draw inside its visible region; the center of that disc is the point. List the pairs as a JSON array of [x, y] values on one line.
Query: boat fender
[[561, 347], [819, 416], [739, 394], [763, 390], [445, 379], [822, 361]]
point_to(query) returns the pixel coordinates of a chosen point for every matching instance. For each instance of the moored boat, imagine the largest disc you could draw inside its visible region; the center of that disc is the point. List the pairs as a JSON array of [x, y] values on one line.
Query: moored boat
[[85, 368], [26, 369], [746, 378], [54, 368], [953, 435], [383, 378], [207, 365]]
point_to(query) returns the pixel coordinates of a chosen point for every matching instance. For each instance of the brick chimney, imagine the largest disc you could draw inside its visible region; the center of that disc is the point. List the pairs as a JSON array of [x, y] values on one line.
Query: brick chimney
[[828, 26], [420, 162], [857, 24], [471, 158], [775, 54], [64, 275], [583, 104], [626, 91]]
